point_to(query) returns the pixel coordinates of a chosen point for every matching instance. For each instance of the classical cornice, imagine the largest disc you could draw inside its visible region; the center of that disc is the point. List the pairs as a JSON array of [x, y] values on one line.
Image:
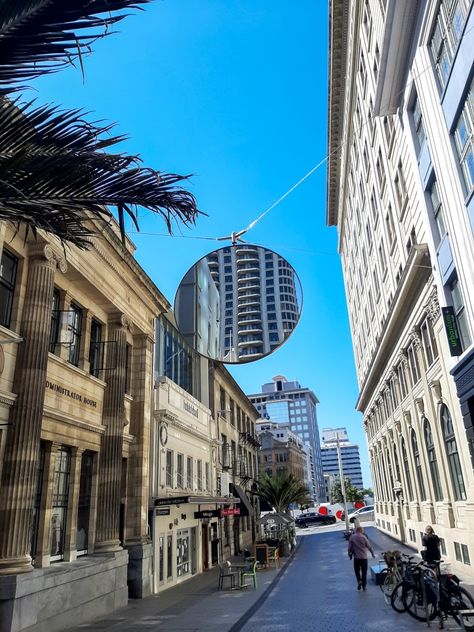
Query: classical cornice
[[337, 71]]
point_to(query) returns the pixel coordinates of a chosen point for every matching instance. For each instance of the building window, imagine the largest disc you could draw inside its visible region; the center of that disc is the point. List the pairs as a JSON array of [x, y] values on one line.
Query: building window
[[450, 445], [169, 468], [460, 312], [402, 380], [74, 333], [438, 213], [430, 449], [447, 32], [189, 473], [37, 500], [418, 123], [169, 556], [8, 270], [400, 188], [430, 348], [418, 467], [179, 471], [95, 348], [390, 227], [55, 322], [406, 468], [60, 499], [464, 140], [382, 258], [380, 171], [413, 363], [207, 473], [83, 511]]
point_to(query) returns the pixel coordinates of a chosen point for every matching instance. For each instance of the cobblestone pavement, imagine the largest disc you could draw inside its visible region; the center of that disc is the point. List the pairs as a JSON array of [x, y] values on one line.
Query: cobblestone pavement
[[318, 591]]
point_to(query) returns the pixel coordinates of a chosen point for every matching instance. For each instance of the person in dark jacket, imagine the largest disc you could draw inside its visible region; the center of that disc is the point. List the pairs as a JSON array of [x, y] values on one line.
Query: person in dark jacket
[[431, 543], [358, 548]]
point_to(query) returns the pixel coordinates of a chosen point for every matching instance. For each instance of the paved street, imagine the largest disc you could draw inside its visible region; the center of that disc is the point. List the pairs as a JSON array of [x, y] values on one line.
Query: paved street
[[318, 592], [315, 591]]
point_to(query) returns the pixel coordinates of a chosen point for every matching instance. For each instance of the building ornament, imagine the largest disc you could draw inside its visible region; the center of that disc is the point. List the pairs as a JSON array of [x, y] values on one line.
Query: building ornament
[[435, 386], [415, 338], [420, 404], [407, 417], [432, 306]]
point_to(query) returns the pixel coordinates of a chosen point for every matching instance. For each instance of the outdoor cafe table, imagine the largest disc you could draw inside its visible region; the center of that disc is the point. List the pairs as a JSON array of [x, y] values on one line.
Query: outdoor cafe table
[[240, 567]]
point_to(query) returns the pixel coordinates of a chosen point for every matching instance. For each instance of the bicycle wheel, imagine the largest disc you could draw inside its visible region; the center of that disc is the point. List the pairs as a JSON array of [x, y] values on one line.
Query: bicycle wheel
[[388, 586], [416, 606], [462, 600], [381, 577], [396, 600]]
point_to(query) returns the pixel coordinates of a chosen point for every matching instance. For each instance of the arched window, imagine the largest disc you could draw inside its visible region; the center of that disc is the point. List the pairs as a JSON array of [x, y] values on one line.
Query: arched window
[[406, 467], [430, 449], [452, 454], [390, 475], [418, 468]]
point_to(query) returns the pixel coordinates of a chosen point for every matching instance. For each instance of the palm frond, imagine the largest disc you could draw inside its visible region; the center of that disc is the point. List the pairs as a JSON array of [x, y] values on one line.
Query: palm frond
[[42, 36], [54, 173], [282, 490]]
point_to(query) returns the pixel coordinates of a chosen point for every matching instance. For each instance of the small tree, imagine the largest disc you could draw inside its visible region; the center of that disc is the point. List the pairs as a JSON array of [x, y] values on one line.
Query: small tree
[[282, 490], [352, 493]]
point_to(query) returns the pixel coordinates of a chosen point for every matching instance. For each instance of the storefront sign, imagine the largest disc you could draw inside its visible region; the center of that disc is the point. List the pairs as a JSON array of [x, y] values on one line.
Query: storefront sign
[[212, 513], [232, 511], [61, 390], [162, 511], [452, 331], [177, 500]]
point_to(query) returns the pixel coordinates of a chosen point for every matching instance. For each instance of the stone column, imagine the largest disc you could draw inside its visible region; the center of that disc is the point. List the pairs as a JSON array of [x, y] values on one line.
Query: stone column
[[113, 418], [137, 540], [23, 437]]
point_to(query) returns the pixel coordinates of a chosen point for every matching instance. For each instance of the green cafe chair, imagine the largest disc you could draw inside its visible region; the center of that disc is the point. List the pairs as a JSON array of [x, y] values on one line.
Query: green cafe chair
[[250, 573]]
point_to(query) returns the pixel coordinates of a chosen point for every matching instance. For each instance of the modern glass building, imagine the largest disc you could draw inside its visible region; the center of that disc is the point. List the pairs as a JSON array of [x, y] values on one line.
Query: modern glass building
[[350, 456], [288, 402]]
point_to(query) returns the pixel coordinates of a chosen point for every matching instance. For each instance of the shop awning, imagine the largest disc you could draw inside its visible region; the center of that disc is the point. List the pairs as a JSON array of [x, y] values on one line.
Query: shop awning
[[246, 508]]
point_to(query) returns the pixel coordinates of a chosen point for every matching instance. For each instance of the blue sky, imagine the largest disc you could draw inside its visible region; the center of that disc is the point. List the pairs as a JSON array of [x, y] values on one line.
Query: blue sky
[[234, 92]]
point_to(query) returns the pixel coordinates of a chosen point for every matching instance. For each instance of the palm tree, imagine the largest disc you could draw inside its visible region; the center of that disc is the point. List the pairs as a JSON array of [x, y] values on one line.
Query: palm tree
[[282, 490], [55, 172]]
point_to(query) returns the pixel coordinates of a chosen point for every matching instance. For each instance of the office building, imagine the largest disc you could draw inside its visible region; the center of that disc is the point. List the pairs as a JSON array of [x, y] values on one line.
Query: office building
[[400, 191], [281, 451], [287, 402], [350, 457], [260, 300]]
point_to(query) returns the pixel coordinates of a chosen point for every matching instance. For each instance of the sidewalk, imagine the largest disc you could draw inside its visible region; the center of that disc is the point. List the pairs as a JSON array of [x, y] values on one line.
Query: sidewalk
[[194, 605]]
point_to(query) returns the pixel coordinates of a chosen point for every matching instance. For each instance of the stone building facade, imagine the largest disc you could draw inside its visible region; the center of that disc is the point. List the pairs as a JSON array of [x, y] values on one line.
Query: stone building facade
[[281, 452], [400, 191], [76, 345], [237, 467]]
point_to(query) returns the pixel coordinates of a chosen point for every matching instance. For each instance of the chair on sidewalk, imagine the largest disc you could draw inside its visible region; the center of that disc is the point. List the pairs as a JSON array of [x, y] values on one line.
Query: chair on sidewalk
[[275, 558], [225, 572], [250, 573]]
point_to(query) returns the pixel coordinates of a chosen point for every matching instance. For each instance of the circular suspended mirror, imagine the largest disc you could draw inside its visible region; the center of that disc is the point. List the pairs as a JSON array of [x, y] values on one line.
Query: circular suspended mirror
[[238, 304]]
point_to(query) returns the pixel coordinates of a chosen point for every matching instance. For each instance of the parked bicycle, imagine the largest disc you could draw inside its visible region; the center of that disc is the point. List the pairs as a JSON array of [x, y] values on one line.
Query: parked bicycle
[[426, 594], [392, 575]]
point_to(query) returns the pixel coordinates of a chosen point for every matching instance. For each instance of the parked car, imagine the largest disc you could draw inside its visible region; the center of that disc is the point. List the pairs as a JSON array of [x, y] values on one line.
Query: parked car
[[310, 519], [364, 514]]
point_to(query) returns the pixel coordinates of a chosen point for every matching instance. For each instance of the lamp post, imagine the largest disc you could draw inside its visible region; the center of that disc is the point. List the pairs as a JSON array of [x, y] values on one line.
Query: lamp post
[[343, 487], [398, 491]]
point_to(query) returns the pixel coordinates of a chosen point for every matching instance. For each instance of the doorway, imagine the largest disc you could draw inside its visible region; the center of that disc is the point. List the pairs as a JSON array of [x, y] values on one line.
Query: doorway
[[205, 547]]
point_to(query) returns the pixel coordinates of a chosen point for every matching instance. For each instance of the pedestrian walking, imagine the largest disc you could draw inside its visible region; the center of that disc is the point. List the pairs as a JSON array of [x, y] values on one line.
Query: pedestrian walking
[[358, 548], [431, 543]]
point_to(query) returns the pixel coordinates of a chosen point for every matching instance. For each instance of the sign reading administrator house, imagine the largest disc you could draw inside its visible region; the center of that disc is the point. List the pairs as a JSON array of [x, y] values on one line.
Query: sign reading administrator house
[[78, 397]]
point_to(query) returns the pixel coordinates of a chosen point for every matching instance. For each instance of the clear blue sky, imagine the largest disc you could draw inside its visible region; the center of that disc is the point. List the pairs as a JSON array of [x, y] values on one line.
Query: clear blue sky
[[234, 92]]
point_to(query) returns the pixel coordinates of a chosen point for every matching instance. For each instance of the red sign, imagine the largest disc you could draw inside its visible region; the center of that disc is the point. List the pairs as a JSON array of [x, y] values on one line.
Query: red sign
[[359, 504], [232, 511], [323, 510]]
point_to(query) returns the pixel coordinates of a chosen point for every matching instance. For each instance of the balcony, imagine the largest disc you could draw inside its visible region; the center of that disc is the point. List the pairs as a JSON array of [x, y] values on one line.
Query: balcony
[[247, 267], [243, 278], [244, 319], [251, 341]]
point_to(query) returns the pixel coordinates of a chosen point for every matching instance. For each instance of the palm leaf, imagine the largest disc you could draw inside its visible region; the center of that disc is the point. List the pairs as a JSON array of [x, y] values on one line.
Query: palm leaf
[[282, 490], [55, 175], [41, 36]]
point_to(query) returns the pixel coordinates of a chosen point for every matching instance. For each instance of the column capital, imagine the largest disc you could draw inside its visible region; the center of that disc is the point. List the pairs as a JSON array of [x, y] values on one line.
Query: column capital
[[40, 250]]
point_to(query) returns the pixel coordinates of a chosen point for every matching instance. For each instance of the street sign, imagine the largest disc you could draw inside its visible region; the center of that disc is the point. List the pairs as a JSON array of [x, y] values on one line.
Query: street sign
[[176, 500], [162, 511], [211, 513], [452, 331], [232, 511]]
